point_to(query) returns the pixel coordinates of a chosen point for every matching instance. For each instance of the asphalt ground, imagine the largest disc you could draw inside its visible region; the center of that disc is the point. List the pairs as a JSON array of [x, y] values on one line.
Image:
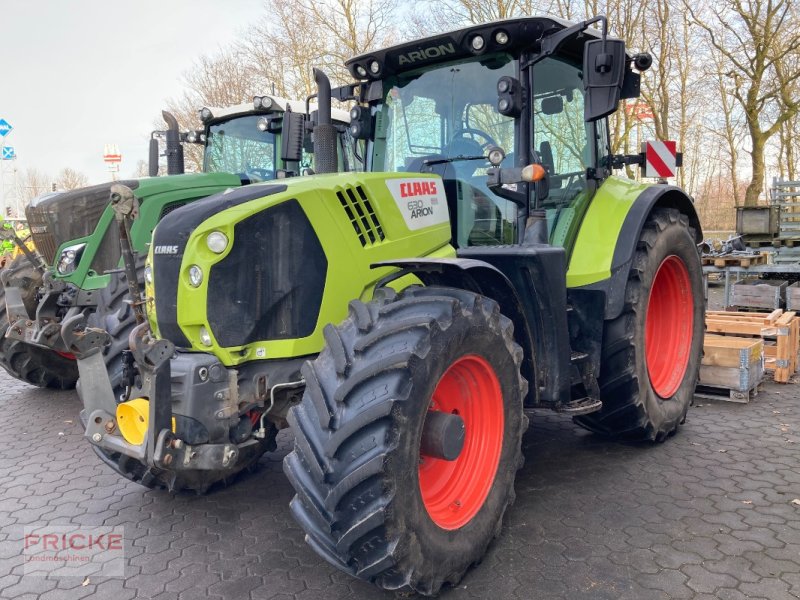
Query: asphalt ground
[[707, 514]]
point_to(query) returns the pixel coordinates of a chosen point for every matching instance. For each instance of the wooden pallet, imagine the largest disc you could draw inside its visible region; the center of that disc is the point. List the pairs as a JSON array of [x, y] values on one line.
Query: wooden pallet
[[720, 393], [780, 331], [763, 294], [732, 366], [735, 260]]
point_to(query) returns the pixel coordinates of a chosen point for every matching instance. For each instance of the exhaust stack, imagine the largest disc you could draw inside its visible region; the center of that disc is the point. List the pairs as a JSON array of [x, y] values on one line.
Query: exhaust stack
[[325, 155], [174, 148]]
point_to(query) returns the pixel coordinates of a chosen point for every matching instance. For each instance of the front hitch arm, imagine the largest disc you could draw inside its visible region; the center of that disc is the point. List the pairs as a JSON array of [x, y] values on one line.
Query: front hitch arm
[[126, 210]]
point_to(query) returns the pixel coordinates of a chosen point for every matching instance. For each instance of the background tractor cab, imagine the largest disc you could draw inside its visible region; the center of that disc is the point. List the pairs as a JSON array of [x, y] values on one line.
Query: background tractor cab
[[244, 139]]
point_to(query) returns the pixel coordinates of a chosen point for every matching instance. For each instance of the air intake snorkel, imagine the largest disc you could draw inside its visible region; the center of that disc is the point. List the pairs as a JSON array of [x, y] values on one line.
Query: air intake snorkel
[[325, 156], [174, 149]]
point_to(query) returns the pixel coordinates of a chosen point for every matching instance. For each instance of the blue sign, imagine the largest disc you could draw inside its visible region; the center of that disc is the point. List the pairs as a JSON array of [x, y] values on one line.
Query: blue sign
[[8, 153], [5, 128]]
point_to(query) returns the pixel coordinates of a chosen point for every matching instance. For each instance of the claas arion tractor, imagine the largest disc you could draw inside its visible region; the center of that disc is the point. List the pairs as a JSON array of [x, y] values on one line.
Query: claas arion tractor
[[402, 319]]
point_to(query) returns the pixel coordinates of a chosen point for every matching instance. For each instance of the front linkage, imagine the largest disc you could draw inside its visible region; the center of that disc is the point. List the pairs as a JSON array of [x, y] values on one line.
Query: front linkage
[[139, 437]]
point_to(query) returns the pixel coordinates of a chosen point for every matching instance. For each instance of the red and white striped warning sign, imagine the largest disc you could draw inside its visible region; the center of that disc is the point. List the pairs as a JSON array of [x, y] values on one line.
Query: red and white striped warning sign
[[660, 158]]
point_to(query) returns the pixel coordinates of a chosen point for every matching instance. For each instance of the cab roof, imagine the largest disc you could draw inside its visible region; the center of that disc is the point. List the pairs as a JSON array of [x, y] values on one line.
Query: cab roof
[[519, 33], [278, 105]]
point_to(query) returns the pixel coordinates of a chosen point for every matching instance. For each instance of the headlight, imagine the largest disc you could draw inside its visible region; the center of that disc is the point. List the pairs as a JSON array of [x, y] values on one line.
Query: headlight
[[195, 276], [148, 274], [217, 242], [69, 259], [205, 337]]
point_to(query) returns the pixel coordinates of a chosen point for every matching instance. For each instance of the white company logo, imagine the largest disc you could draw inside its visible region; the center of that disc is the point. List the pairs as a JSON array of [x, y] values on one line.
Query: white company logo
[[421, 201]]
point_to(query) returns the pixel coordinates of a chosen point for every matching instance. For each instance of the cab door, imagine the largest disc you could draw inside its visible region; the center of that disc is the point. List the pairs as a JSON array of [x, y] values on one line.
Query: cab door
[[567, 146]]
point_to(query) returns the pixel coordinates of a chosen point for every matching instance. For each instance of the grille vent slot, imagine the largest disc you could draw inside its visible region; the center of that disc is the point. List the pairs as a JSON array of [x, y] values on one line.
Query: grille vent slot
[[168, 208], [362, 217]]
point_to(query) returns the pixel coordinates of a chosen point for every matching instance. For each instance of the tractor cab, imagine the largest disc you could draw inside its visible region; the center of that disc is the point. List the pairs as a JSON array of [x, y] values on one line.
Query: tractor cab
[[253, 140], [500, 96]]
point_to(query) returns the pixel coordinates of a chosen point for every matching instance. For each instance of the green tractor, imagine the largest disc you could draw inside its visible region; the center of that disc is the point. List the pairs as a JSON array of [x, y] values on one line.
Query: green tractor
[[78, 241], [402, 319]]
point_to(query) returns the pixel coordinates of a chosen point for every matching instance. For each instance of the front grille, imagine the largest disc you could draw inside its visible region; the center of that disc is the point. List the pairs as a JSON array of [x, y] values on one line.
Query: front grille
[[362, 217], [175, 229], [270, 285], [42, 238], [59, 218]]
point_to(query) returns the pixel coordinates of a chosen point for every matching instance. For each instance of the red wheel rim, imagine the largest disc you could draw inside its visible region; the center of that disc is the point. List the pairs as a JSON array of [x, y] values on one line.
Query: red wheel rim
[[668, 327], [454, 491]]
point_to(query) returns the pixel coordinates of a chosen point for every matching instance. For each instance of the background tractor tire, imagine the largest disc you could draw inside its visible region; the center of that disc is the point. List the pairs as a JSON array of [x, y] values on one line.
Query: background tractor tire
[[115, 315], [369, 499], [38, 366], [651, 353]]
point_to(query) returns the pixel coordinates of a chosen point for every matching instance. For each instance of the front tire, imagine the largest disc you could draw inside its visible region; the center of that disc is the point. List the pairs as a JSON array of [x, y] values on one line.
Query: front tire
[[369, 499], [38, 366], [651, 353]]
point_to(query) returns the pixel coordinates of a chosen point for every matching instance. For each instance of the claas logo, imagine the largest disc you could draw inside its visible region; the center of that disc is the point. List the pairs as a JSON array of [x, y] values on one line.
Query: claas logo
[[418, 188]]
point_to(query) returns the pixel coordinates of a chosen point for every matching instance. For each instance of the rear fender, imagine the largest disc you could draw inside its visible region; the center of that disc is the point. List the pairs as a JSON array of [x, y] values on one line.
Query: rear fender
[[656, 196]]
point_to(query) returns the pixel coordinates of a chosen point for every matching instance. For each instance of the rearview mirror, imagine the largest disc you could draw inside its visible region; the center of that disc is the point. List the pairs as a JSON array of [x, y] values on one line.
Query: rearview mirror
[[152, 168], [603, 73], [292, 136], [554, 105]]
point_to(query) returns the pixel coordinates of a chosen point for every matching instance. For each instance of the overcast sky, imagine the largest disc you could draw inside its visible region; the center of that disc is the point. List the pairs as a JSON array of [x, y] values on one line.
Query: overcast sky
[[75, 75]]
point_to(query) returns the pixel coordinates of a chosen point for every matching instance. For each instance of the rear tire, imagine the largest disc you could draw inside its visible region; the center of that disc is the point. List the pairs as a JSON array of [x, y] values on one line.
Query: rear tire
[[647, 380], [366, 498], [38, 366]]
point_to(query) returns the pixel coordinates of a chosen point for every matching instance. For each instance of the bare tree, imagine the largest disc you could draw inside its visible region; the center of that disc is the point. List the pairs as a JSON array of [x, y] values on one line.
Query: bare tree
[[220, 80], [754, 37], [142, 169], [70, 179], [284, 46], [32, 183]]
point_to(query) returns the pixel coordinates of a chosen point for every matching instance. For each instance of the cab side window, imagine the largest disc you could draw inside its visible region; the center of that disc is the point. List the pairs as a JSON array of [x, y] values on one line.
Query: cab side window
[[559, 131]]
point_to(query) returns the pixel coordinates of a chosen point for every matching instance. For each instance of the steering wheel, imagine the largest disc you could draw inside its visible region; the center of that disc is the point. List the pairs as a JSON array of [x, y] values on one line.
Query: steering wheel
[[460, 134], [260, 174]]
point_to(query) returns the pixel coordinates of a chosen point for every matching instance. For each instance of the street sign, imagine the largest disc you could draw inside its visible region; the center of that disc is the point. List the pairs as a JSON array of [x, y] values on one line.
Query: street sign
[[5, 128], [640, 111], [8, 153], [111, 153], [661, 158]]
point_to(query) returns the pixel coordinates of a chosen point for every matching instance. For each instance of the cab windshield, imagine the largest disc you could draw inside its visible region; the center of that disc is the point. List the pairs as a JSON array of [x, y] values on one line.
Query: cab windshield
[[238, 146], [443, 120]]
